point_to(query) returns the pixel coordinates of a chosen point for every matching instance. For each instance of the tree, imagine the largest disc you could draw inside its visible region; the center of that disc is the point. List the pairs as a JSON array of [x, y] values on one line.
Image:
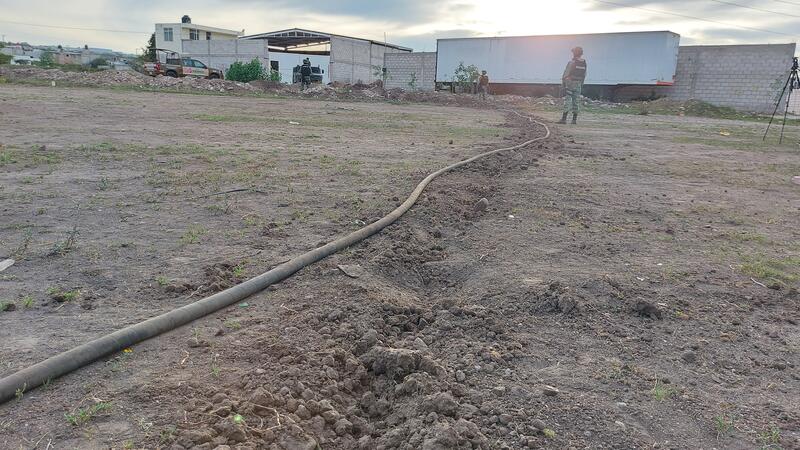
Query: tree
[[149, 50], [46, 59], [246, 72], [466, 76]]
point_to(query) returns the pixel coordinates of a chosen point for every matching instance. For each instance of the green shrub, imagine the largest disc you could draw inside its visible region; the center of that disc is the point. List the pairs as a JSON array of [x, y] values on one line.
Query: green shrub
[[5, 59], [275, 76], [247, 72], [97, 62]]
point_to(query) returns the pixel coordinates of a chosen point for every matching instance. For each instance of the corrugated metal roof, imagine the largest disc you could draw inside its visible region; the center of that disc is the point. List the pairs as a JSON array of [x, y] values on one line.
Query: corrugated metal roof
[[295, 38]]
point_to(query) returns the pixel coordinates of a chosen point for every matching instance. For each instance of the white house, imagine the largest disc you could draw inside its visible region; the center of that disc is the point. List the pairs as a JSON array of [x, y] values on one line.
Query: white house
[[171, 36]]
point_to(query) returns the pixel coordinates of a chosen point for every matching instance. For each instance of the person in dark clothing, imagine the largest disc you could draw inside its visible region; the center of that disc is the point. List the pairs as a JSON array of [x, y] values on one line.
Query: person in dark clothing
[[572, 82], [305, 74]]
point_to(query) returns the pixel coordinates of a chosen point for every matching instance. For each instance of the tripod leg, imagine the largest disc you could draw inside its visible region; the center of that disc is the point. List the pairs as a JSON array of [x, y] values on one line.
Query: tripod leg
[[777, 105], [786, 112]]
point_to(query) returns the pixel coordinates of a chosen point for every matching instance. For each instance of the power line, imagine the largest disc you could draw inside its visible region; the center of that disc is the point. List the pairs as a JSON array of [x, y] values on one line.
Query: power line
[[686, 16], [738, 5], [75, 28], [787, 2]]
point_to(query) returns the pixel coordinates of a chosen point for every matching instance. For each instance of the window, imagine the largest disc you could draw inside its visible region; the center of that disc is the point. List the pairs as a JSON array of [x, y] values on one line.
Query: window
[[208, 35], [274, 65], [199, 64], [168, 34], [193, 34]]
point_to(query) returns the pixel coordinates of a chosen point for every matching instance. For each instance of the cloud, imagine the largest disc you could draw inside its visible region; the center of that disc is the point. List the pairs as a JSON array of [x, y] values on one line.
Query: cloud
[[413, 23]]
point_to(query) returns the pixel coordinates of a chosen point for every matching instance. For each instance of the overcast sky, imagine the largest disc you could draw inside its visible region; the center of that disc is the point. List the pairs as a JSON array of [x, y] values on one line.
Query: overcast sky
[[414, 23]]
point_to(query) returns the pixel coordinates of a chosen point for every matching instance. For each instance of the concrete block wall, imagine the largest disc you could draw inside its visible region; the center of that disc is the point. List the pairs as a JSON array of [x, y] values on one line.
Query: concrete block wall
[[350, 60], [356, 60], [794, 104], [220, 54], [745, 77], [411, 71]]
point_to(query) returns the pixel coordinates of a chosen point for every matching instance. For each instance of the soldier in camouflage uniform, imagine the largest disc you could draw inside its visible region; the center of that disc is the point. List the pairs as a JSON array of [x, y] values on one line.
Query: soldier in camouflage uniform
[[572, 82]]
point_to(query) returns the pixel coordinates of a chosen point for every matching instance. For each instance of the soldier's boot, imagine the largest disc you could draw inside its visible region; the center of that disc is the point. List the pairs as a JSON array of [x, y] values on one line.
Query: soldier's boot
[[563, 119], [574, 118]]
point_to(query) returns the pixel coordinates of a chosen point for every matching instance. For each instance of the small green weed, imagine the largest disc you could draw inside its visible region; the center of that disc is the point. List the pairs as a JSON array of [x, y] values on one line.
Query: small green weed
[[771, 437], [65, 246], [167, 434], [661, 391], [238, 271], [548, 433], [251, 220], [27, 302], [63, 296], [784, 270], [22, 248], [724, 424], [162, 281], [84, 415], [193, 234], [233, 324]]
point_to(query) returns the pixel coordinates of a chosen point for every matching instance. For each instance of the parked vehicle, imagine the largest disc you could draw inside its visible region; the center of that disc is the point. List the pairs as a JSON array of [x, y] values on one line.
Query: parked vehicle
[[176, 66], [316, 75]]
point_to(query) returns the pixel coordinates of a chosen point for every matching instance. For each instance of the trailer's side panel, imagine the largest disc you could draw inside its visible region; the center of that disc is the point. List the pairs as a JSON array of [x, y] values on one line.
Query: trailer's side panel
[[616, 58]]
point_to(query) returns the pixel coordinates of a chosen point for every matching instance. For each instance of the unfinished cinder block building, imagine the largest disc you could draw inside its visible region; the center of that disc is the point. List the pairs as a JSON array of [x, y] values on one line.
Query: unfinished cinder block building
[[352, 60]]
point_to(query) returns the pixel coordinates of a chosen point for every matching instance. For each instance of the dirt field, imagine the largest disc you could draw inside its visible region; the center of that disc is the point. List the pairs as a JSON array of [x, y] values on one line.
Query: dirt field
[[631, 284]]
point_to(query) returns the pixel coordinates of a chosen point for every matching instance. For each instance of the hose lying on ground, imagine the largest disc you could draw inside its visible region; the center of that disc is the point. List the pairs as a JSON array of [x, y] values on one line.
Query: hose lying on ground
[[66, 362]]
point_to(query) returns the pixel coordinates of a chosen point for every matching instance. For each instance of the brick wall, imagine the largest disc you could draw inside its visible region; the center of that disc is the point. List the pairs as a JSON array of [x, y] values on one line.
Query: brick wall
[[411, 70]]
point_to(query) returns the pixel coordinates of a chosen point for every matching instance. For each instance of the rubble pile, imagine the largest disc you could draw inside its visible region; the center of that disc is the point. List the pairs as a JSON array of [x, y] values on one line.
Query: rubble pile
[[121, 78], [334, 91]]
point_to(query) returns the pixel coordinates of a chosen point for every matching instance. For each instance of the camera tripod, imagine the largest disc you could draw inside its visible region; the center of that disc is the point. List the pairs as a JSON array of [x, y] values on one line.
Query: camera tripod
[[792, 83]]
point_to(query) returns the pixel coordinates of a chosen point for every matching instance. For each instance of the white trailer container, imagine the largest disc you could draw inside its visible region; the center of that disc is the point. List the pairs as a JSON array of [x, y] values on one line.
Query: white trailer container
[[642, 58]]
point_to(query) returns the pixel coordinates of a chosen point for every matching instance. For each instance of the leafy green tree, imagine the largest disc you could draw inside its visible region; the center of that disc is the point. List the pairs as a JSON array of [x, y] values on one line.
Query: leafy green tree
[[4, 59], [466, 76], [149, 50], [247, 72], [46, 59]]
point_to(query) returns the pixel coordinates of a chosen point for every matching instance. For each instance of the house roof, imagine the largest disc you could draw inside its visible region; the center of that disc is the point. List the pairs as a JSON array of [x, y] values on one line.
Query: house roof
[[298, 38], [202, 27]]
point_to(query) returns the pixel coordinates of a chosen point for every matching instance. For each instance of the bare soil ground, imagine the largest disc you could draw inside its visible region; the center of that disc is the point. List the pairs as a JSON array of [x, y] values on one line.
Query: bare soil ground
[[632, 282]]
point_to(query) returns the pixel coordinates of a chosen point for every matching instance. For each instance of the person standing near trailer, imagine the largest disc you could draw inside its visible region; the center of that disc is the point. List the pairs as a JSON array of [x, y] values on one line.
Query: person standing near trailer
[[483, 85], [572, 82]]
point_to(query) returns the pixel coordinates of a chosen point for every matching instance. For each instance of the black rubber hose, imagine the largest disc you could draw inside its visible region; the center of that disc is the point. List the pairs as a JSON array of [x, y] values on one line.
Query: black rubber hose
[[89, 352]]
